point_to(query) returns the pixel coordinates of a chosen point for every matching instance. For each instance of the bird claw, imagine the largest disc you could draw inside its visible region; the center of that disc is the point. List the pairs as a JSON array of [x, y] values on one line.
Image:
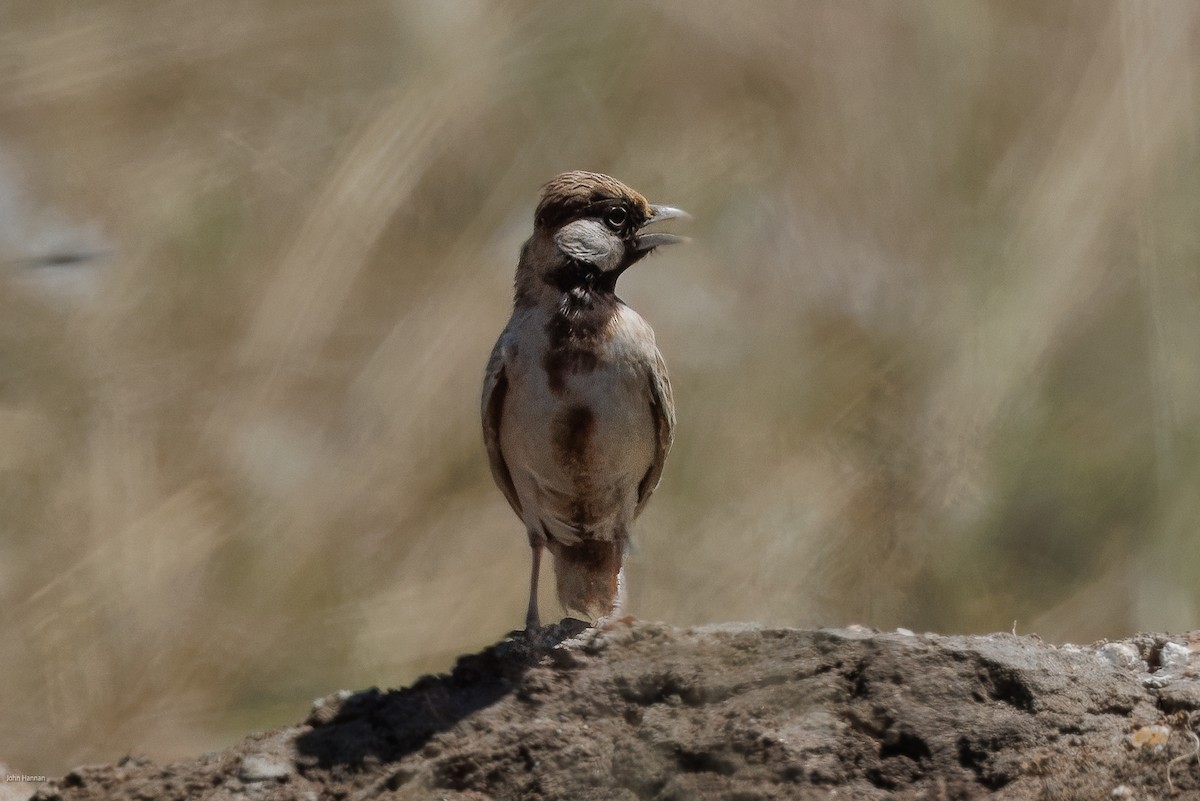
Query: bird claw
[[546, 637]]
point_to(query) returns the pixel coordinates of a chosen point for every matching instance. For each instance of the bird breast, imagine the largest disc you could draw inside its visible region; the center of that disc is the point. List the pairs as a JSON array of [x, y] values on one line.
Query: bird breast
[[577, 432]]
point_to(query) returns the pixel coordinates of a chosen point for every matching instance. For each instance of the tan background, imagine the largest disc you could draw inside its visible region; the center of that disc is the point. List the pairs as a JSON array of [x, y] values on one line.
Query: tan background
[[936, 348]]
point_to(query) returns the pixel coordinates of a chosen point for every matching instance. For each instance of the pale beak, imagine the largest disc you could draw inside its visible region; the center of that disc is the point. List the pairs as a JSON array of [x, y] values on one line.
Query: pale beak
[[659, 214]]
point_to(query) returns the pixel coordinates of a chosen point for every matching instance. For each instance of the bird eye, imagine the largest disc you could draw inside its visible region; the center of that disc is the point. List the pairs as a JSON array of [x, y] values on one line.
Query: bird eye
[[616, 217]]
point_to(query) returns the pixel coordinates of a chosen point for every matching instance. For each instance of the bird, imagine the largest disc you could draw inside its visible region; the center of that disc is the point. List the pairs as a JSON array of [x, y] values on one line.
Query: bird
[[578, 414]]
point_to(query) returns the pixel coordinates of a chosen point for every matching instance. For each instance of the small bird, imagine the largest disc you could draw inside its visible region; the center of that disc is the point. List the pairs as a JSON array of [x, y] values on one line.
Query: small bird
[[577, 409]]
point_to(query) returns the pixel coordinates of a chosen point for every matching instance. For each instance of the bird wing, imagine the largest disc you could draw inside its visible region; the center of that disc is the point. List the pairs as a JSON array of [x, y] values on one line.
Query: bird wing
[[495, 388], [662, 410]]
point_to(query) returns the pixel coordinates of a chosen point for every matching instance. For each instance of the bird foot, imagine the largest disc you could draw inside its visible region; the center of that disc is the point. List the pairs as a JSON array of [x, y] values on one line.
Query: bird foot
[[550, 635]]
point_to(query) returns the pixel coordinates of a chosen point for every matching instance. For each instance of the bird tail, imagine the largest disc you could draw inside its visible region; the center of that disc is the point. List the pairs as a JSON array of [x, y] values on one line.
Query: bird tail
[[589, 576]]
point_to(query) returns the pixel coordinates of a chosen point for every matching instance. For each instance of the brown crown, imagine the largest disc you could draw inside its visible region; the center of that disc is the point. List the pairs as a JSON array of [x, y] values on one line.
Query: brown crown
[[572, 193]]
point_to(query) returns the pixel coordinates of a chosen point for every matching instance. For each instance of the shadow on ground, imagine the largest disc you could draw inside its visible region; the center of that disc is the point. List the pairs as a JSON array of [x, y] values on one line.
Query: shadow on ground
[[353, 730]]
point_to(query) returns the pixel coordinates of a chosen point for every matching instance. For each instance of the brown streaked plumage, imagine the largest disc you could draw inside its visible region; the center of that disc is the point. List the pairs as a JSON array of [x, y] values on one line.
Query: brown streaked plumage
[[577, 410]]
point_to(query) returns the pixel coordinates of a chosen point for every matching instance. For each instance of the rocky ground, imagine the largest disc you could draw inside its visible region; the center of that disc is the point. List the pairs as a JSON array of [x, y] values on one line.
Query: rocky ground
[[646, 711]]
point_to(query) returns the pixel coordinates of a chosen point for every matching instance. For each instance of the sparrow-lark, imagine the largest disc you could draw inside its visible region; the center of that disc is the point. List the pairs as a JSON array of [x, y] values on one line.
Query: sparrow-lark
[[577, 409]]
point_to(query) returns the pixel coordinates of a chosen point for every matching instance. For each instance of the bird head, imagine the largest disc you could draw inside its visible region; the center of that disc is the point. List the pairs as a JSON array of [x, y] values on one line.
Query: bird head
[[588, 229]]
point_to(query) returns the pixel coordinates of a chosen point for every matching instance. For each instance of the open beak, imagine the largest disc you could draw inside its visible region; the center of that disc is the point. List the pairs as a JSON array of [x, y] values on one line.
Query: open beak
[[647, 242]]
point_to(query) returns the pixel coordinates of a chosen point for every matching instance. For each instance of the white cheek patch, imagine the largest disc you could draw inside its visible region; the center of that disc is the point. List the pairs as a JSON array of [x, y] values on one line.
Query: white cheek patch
[[591, 242]]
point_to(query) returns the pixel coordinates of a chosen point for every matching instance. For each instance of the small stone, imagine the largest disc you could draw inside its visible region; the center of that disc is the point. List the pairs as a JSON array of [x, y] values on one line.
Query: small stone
[[1153, 737], [1174, 657], [264, 767], [1122, 655], [325, 709]]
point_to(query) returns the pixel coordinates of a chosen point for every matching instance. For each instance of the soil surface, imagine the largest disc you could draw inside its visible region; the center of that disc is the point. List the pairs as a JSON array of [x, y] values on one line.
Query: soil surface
[[646, 711]]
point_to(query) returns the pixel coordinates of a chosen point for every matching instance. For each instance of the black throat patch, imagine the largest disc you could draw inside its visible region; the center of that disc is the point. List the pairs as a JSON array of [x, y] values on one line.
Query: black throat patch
[[578, 328]]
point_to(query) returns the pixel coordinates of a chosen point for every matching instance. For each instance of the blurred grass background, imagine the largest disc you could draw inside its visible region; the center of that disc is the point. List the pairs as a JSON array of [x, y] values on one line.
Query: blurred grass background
[[936, 349]]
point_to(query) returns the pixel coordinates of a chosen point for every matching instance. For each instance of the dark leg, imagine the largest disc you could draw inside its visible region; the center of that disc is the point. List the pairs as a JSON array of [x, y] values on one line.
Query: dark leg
[[532, 620]]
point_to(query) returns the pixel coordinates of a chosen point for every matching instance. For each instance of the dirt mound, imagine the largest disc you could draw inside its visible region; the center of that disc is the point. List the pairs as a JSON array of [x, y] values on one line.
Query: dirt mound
[[728, 712]]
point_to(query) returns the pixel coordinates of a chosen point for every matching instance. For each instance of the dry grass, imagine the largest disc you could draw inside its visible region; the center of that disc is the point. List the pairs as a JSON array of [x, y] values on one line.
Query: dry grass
[[936, 348]]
